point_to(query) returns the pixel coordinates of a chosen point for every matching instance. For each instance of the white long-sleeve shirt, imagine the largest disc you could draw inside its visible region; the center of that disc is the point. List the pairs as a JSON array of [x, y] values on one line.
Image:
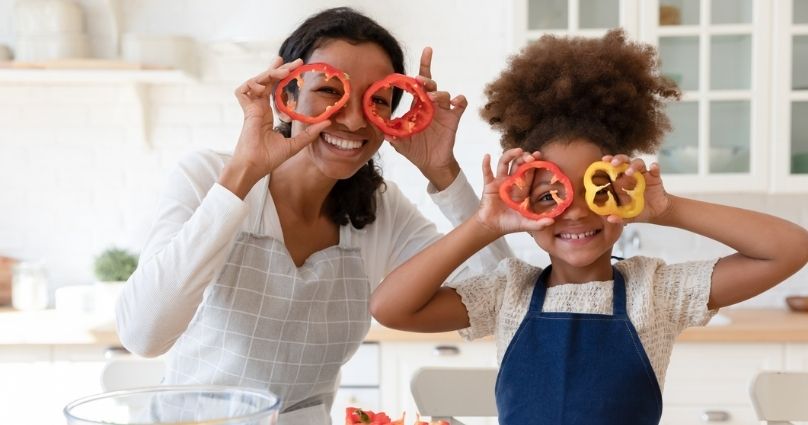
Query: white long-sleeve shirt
[[198, 220]]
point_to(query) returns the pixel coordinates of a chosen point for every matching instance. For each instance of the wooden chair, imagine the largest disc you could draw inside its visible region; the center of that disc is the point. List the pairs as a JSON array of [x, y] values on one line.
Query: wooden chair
[[780, 397]]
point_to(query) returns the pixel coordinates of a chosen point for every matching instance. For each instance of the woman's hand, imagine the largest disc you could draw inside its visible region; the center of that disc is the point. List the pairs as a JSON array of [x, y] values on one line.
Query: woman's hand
[[493, 213], [261, 149], [432, 149], [657, 201]]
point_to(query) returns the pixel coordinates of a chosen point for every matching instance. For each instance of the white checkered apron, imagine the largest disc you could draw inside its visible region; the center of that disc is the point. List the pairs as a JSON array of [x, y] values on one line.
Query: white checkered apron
[[266, 323]]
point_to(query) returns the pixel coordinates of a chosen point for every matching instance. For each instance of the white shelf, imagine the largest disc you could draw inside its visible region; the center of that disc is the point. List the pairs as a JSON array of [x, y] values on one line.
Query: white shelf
[[93, 76]]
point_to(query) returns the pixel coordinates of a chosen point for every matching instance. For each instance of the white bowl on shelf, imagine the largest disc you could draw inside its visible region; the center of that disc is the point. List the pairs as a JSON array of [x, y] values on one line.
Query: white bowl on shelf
[[33, 48]]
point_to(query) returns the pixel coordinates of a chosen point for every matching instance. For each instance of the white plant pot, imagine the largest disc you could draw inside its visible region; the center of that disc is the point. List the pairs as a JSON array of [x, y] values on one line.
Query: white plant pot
[[105, 297]]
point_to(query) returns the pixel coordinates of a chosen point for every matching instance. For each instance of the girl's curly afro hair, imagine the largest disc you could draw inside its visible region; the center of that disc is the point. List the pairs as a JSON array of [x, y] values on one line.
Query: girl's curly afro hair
[[606, 90]]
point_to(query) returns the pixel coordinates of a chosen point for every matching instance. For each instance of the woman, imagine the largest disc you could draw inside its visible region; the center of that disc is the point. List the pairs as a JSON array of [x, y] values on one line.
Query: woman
[[260, 266]]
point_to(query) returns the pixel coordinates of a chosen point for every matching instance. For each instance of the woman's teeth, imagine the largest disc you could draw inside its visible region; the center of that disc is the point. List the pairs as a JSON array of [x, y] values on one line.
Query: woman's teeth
[[342, 143], [577, 235]]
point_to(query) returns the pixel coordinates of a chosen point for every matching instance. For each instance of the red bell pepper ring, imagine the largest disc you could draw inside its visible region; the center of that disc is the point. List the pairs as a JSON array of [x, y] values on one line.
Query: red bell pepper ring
[[357, 416], [297, 74], [518, 180], [415, 120]]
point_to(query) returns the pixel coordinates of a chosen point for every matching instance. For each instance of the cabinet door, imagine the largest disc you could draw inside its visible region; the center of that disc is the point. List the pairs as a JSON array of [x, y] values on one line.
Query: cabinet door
[[718, 414], [26, 386], [797, 357], [592, 18], [401, 360], [790, 101], [719, 53], [712, 381]]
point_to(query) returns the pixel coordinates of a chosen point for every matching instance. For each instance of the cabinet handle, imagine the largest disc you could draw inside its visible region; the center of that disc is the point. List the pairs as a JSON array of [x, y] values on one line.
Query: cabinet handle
[[446, 350], [112, 352], [715, 416]]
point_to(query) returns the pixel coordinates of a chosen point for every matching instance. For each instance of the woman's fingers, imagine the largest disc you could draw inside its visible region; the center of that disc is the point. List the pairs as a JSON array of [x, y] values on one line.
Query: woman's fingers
[[308, 135], [425, 68], [488, 175], [441, 99]]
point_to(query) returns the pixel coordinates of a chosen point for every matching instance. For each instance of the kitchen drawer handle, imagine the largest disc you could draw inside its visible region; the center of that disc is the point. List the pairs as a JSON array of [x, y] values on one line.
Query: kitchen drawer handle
[[118, 351], [446, 350], [715, 416]]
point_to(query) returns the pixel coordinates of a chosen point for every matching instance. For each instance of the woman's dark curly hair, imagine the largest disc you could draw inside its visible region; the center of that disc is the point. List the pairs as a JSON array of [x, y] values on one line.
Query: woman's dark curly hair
[[606, 90], [352, 199]]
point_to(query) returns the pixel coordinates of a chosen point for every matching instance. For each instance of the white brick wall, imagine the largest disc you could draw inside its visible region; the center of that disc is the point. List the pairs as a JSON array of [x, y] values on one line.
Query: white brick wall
[[76, 177]]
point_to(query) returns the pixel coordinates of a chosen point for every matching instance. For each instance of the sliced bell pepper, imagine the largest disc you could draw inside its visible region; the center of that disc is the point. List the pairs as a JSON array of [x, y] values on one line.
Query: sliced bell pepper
[[610, 206], [518, 180], [357, 416], [415, 120], [297, 74]]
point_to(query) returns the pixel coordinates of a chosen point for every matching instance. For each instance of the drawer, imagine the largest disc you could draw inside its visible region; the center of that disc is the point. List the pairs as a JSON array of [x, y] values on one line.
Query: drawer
[[362, 370], [723, 415], [705, 374]]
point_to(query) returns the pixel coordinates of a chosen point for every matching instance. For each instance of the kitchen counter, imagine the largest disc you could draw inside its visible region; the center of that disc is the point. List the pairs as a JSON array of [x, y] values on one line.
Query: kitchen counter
[[50, 327]]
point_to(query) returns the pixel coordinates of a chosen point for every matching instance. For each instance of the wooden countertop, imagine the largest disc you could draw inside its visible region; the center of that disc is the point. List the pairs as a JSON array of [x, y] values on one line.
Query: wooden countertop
[[50, 327]]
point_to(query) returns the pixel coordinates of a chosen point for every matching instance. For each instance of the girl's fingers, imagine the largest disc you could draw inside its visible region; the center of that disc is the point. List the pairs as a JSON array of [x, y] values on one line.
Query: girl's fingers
[[537, 225], [620, 159], [637, 166], [504, 165], [655, 170], [614, 219]]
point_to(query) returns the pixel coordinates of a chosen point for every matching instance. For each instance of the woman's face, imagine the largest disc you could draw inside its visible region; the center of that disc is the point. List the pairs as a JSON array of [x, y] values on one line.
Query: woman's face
[[579, 237], [350, 141]]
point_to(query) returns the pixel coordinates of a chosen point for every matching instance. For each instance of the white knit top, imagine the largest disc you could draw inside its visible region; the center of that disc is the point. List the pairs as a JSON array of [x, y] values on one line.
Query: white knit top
[[661, 301]]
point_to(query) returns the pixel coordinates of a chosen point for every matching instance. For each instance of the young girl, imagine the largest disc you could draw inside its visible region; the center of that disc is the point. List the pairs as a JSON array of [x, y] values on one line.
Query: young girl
[[583, 341]]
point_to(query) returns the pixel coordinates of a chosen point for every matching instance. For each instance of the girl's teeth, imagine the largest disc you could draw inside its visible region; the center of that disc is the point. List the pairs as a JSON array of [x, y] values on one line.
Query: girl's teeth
[[342, 143], [577, 235]]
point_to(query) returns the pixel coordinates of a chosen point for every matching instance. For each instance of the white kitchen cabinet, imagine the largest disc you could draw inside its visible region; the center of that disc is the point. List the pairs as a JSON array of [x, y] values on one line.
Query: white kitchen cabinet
[[39, 380], [401, 359], [790, 96], [796, 357], [742, 122], [709, 382]]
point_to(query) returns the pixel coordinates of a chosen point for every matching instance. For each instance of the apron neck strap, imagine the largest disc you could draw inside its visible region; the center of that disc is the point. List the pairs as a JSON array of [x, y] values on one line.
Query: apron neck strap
[[618, 296]]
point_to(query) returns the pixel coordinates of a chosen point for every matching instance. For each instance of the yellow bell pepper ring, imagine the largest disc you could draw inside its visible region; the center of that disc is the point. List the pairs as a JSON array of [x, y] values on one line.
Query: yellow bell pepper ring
[[610, 207]]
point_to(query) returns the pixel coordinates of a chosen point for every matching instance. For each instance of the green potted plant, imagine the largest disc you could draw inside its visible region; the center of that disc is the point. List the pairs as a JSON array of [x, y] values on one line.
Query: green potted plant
[[112, 268], [115, 265]]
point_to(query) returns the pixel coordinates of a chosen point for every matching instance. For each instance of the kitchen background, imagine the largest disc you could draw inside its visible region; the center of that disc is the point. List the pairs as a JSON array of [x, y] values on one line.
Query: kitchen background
[[82, 163], [84, 153]]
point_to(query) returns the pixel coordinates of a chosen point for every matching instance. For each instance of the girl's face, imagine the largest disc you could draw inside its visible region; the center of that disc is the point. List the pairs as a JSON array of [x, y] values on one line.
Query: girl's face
[[579, 237], [351, 140]]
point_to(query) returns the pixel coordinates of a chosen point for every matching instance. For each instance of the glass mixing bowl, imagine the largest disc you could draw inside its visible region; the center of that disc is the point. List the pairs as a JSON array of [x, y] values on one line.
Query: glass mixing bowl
[[175, 405]]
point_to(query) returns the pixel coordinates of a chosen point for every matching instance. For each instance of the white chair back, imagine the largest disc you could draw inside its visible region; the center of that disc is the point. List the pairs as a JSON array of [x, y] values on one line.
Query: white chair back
[[780, 397], [445, 393], [131, 372]]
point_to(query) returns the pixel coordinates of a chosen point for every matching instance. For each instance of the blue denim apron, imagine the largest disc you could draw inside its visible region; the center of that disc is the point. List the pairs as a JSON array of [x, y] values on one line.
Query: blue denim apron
[[570, 368]]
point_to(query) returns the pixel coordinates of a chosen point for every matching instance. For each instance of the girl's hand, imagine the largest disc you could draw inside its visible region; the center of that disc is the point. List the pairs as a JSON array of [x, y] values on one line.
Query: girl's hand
[[432, 149], [493, 213], [657, 200], [261, 149]]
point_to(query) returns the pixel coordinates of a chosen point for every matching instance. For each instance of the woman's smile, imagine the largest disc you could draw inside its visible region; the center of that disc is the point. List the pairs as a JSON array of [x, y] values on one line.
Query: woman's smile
[[343, 145]]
